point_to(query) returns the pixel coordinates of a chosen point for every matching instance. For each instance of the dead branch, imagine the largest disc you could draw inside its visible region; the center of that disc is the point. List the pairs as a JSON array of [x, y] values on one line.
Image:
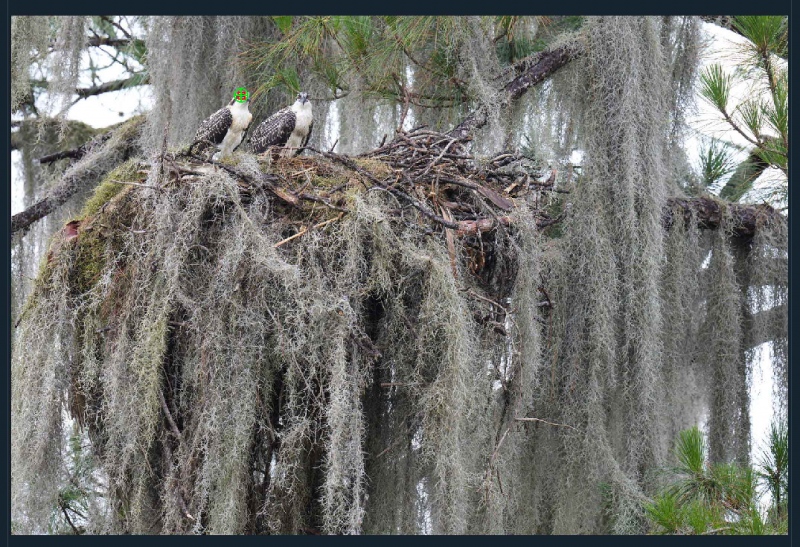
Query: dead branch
[[304, 230], [114, 85], [739, 220], [172, 425], [544, 422]]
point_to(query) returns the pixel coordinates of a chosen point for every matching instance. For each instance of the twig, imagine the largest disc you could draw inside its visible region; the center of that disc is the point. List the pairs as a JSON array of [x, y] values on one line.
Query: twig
[[549, 302], [304, 230], [173, 426], [470, 227], [485, 299], [491, 465], [184, 508], [137, 184], [385, 450], [543, 421], [117, 25], [178, 495], [313, 197], [115, 85], [69, 520], [499, 444], [451, 244], [434, 162], [406, 100], [355, 167]]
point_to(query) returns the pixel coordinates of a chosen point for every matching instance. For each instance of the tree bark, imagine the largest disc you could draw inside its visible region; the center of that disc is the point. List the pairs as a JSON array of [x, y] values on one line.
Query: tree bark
[[742, 221]]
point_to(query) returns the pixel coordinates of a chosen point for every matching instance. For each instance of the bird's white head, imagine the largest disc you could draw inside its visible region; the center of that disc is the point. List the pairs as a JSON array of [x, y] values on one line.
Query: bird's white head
[[302, 102]]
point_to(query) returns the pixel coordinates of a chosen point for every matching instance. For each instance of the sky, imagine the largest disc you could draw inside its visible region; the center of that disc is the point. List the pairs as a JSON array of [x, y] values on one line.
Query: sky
[[723, 46]]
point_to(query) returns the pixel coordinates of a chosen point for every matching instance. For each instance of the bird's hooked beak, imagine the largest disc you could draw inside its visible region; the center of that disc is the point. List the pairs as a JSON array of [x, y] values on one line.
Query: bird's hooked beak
[[303, 98]]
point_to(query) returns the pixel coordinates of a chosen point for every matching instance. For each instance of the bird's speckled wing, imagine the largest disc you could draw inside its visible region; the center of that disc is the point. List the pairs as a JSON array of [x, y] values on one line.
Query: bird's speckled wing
[[213, 129], [274, 131]]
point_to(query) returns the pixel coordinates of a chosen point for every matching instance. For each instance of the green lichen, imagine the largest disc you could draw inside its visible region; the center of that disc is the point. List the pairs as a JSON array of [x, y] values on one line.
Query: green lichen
[[90, 260], [106, 190]]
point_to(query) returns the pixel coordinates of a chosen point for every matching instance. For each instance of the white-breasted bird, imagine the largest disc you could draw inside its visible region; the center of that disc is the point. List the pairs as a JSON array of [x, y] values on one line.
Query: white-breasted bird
[[225, 128], [289, 127]]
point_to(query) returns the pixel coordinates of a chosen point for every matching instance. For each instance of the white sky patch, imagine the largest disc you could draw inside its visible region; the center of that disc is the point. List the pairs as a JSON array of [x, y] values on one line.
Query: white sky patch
[[17, 183], [426, 521], [761, 400], [332, 126], [762, 407], [107, 108], [120, 105], [410, 121], [416, 440]]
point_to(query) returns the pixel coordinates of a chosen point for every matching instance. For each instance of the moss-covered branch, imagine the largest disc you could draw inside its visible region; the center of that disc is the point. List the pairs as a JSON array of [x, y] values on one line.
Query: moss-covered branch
[[535, 72], [105, 153], [114, 85], [742, 220]]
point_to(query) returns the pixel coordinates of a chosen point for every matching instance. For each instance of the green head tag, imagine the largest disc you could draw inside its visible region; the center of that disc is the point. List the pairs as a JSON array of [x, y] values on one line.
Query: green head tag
[[241, 95]]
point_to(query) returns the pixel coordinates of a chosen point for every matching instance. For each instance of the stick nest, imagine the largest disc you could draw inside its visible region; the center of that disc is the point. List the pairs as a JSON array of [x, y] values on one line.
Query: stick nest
[[425, 170]]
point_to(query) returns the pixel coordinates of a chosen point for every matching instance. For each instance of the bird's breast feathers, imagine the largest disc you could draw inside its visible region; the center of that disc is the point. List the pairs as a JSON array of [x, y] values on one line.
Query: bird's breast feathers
[[303, 118], [241, 117]]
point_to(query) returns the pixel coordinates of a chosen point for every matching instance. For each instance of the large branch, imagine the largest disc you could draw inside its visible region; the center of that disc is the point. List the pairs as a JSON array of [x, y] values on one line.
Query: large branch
[[762, 319], [139, 78], [114, 85], [743, 220], [105, 155], [97, 41], [536, 70]]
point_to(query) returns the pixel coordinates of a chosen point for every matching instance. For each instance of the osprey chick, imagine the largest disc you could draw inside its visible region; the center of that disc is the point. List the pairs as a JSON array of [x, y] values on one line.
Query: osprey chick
[[225, 128], [289, 127]]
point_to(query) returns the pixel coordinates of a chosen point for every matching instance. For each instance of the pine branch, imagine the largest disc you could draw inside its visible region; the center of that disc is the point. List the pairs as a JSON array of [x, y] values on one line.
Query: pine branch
[[742, 179], [728, 22]]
